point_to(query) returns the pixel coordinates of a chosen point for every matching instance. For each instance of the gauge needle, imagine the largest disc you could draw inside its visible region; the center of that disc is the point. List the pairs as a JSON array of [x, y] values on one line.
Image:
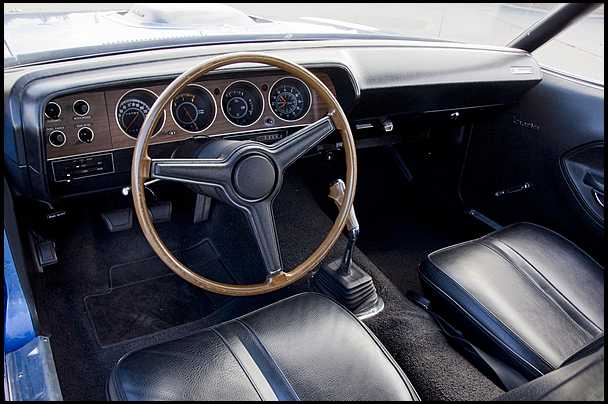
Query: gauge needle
[[283, 101], [131, 123], [189, 116]]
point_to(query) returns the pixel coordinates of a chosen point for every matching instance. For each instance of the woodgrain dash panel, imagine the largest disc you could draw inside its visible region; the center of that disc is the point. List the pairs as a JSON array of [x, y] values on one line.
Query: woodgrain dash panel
[[109, 136], [69, 123]]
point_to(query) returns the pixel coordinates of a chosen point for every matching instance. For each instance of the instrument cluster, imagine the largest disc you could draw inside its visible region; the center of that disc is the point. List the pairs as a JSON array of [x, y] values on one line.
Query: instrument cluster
[[110, 119], [195, 109]]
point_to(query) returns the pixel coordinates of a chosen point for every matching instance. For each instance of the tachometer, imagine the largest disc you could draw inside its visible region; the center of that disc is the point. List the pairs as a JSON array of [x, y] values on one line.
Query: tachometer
[[132, 109], [290, 99], [194, 108], [242, 103]]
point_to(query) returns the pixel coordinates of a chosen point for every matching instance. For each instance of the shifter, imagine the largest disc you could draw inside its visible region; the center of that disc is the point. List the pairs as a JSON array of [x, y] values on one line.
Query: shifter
[[343, 279], [336, 192]]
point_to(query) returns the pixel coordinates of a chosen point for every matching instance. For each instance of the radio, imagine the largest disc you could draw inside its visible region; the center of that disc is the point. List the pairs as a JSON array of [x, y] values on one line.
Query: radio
[[82, 167]]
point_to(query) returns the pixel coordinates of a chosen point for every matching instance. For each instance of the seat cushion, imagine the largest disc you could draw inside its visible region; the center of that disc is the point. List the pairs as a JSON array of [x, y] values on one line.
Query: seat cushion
[[524, 292], [305, 347], [582, 380]]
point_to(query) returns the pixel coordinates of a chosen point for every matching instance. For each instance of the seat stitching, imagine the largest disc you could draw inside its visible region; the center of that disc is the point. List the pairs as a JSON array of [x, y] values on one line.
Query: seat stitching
[[496, 250], [582, 252], [373, 337], [482, 327], [255, 387], [554, 287], [505, 326], [535, 285], [286, 380]]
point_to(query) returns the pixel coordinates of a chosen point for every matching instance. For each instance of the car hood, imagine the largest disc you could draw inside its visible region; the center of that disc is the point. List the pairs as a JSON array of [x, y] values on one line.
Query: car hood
[[31, 37]]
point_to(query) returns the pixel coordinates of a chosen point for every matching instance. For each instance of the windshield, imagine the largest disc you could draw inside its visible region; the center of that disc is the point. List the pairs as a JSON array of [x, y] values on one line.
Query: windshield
[[37, 32]]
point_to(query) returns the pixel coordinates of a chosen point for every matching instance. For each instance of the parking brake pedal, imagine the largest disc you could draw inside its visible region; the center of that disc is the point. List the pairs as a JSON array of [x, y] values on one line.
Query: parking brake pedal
[[44, 251], [343, 279]]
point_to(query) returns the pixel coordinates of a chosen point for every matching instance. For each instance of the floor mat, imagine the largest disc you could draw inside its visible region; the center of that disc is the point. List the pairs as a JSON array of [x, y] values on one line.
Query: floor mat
[[145, 296], [146, 307]]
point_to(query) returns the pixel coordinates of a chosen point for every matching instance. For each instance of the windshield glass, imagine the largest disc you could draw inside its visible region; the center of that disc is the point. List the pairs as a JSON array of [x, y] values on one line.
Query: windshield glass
[[36, 32]]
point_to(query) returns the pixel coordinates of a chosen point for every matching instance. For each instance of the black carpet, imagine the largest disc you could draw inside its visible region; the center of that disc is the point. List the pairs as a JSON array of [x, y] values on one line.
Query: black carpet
[[436, 370], [401, 222]]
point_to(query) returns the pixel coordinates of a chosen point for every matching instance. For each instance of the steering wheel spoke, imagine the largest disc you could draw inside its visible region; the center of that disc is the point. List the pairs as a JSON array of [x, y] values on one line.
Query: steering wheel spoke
[[262, 223], [297, 144], [212, 172]]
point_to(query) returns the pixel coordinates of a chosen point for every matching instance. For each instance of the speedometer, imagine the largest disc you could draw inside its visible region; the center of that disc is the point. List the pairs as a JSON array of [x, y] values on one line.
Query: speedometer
[[290, 99], [242, 103], [132, 109], [194, 109]]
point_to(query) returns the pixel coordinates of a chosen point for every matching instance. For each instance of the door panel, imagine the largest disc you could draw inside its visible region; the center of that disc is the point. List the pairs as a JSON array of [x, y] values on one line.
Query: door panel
[[542, 160], [583, 168]]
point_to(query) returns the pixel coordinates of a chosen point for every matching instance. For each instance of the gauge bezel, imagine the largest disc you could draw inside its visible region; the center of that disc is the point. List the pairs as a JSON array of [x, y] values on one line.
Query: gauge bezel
[[92, 133], [88, 107], [58, 106], [214, 104], [261, 97], [120, 100], [65, 138], [309, 97]]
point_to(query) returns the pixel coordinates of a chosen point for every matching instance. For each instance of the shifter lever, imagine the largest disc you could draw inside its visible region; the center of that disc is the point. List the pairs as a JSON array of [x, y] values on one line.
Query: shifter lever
[[344, 280], [336, 192]]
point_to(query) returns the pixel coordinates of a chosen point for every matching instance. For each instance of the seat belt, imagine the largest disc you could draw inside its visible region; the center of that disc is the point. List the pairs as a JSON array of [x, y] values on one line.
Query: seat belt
[[504, 374]]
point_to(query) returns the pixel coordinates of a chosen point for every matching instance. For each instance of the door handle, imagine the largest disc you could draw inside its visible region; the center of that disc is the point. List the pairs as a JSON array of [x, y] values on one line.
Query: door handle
[[597, 186], [594, 181]]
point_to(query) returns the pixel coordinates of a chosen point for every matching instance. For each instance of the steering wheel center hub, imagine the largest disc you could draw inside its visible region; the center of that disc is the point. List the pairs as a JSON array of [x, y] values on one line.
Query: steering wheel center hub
[[254, 177]]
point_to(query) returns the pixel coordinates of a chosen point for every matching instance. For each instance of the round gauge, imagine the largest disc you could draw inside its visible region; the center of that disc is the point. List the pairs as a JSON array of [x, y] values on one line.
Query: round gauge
[[289, 99], [132, 109], [52, 110], [193, 109], [242, 103]]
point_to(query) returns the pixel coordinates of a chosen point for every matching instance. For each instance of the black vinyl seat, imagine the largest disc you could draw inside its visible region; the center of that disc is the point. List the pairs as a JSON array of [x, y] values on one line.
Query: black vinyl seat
[[305, 347], [524, 293]]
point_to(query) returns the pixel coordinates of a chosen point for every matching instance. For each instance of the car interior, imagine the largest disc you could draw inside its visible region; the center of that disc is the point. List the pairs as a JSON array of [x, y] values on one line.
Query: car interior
[[332, 219]]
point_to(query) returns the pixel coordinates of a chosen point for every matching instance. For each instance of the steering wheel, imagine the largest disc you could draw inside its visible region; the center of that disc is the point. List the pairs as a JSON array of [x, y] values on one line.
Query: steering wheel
[[245, 174]]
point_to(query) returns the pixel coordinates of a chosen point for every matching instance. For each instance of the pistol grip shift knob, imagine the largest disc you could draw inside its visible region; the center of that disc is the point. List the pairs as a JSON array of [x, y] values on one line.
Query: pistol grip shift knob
[[336, 192]]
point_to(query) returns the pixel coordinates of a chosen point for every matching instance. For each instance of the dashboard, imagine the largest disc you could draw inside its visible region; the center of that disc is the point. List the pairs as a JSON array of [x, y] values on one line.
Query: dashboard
[[70, 126]]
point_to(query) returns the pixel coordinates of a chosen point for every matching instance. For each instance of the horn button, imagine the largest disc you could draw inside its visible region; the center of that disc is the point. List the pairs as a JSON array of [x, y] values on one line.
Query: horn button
[[254, 177]]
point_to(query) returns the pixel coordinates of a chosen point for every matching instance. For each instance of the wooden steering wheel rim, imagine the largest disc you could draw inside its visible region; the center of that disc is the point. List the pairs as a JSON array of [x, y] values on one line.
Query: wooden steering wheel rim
[[140, 172]]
